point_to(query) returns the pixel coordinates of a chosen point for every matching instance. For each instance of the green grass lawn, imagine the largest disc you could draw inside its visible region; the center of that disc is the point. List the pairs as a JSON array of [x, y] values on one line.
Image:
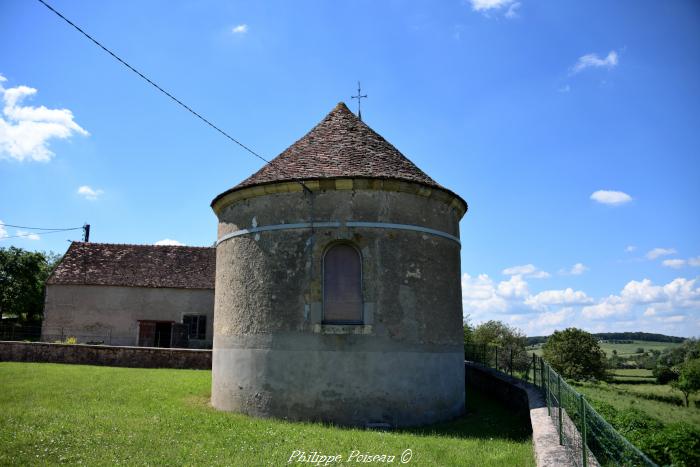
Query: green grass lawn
[[622, 396], [90, 415]]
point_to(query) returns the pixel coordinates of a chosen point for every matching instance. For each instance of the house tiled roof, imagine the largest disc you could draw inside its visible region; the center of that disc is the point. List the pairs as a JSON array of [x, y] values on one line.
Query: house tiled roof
[[341, 145], [182, 267]]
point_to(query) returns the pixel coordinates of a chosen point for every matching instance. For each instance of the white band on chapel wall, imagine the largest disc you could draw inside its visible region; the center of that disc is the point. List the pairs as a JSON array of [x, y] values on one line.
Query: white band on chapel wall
[[335, 225]]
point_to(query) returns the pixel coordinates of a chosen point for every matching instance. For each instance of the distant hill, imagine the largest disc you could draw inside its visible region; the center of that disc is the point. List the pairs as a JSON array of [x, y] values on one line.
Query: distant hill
[[619, 336]]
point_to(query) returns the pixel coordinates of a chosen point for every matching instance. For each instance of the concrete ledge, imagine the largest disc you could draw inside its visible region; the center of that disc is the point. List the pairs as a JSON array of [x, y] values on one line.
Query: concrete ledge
[[107, 355], [524, 396]]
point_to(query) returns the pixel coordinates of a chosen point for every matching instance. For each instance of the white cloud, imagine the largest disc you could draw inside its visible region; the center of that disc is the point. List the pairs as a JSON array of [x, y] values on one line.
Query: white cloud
[[240, 29], [479, 295], [89, 193], [565, 88], [610, 306], [611, 197], [526, 270], [671, 308], [674, 263], [641, 292], [3, 231], [658, 252], [27, 235], [512, 10], [568, 296], [487, 6], [630, 248], [679, 263], [515, 287], [673, 319], [680, 293], [25, 131], [594, 61], [575, 270], [168, 241], [552, 318]]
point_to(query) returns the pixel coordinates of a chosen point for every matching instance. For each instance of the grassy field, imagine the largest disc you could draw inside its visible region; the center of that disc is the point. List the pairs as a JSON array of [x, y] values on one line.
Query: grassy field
[[632, 376], [622, 349], [632, 373], [622, 396], [73, 414], [631, 349]]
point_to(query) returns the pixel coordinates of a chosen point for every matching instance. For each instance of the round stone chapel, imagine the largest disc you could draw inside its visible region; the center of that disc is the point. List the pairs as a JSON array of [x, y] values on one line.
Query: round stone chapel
[[338, 292]]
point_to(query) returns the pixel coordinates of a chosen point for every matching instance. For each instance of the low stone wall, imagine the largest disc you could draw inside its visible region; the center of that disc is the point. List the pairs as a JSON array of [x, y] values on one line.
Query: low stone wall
[[526, 399], [108, 355]]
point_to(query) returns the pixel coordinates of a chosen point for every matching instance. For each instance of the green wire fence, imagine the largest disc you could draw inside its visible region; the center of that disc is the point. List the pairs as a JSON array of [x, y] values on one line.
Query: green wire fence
[[587, 435]]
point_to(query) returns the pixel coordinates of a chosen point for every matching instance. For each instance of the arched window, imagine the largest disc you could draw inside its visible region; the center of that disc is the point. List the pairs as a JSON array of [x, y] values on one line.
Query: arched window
[[342, 285]]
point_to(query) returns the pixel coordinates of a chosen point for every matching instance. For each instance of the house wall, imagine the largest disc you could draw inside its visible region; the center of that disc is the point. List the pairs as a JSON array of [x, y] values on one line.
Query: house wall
[[274, 356], [110, 314]]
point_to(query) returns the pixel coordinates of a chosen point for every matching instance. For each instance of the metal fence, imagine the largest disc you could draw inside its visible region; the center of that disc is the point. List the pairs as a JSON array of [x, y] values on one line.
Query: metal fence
[[580, 427], [33, 333]]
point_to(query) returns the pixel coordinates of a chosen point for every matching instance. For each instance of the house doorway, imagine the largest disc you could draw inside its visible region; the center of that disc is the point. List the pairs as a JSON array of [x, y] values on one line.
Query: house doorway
[[155, 333]]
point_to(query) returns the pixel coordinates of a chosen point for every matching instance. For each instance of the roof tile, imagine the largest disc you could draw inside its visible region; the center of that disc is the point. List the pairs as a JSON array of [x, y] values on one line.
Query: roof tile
[[341, 145], [136, 266]]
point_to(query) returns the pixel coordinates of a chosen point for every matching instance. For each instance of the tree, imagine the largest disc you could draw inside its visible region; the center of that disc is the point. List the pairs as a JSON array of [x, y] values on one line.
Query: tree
[[499, 333], [688, 381], [22, 278], [468, 331], [508, 340], [575, 354]]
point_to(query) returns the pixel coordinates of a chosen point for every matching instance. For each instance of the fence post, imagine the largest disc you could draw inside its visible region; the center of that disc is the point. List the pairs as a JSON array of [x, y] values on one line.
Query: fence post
[[583, 430], [549, 402], [534, 370], [496, 359], [542, 371], [511, 362], [561, 425]]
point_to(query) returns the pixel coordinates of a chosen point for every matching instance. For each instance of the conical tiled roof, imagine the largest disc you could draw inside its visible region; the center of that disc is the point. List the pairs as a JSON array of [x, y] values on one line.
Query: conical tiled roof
[[341, 145]]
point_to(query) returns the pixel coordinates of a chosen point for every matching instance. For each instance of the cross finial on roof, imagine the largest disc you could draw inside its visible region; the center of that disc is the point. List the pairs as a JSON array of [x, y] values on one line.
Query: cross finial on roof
[[359, 98]]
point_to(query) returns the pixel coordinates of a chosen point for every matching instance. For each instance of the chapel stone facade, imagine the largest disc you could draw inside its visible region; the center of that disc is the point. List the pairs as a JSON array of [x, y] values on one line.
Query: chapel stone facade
[[337, 293]]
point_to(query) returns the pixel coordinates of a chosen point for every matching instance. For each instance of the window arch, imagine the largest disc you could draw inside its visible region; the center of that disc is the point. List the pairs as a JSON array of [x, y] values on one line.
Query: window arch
[[342, 285]]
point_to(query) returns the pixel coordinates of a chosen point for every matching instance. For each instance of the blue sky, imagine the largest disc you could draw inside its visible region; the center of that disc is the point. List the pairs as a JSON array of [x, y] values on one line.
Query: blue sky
[[571, 128]]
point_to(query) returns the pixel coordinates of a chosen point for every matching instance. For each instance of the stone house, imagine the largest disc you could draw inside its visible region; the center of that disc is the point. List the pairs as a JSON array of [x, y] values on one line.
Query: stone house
[[145, 295]]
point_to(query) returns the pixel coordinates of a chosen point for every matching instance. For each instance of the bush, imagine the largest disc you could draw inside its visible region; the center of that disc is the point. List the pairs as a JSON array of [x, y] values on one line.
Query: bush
[[664, 374], [677, 444]]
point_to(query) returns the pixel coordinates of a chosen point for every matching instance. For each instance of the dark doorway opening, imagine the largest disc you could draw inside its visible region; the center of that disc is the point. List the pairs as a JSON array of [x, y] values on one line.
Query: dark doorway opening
[[155, 333], [163, 334]]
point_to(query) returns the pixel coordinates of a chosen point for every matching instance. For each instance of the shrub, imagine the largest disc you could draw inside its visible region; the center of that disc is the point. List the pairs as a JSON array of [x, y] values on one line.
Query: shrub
[[664, 374], [677, 444]]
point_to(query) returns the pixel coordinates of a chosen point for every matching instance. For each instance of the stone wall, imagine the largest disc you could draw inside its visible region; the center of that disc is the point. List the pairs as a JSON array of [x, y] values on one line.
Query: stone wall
[[273, 354], [527, 400], [135, 357]]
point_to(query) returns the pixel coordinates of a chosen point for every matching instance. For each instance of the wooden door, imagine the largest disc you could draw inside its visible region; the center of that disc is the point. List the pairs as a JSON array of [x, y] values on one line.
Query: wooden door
[[147, 333]]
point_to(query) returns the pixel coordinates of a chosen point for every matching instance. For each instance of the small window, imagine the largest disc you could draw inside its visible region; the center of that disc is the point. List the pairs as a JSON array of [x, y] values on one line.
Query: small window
[[342, 285], [196, 326]]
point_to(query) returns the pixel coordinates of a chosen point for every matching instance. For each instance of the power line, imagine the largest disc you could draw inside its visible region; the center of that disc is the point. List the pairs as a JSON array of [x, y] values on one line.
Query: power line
[[30, 234], [39, 228], [178, 101]]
